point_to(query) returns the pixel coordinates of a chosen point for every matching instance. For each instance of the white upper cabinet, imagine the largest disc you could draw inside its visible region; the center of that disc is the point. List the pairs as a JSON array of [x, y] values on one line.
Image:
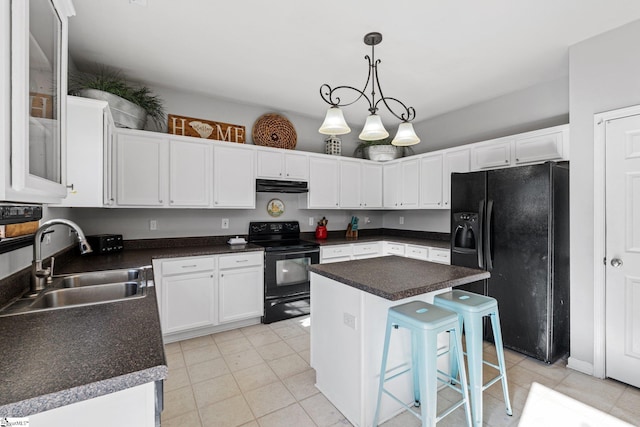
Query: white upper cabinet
[[324, 176], [141, 169], [552, 144], [282, 165], [371, 185], [431, 177], [350, 184], [33, 92], [530, 147], [402, 184], [491, 154], [189, 173], [234, 183], [89, 146], [454, 161]]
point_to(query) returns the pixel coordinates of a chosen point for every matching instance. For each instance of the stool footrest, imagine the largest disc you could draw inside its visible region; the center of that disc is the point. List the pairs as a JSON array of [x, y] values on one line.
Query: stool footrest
[[449, 410], [491, 382], [409, 407]]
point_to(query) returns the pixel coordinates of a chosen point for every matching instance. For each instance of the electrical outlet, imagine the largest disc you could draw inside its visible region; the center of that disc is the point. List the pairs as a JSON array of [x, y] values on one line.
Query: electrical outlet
[[367, 220], [311, 220], [350, 320], [153, 224], [225, 223], [401, 220]]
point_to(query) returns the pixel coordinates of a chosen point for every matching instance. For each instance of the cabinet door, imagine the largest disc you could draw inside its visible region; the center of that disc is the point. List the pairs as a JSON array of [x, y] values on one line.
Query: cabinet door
[[350, 185], [391, 176], [296, 166], [409, 184], [234, 184], [454, 161], [390, 248], [141, 170], [548, 146], [240, 294], [491, 155], [189, 173], [323, 183], [269, 165], [417, 252], [371, 185], [188, 301], [431, 182], [87, 133]]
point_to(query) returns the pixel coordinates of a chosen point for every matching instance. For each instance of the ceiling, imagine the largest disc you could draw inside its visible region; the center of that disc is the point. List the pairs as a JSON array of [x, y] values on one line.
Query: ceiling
[[437, 56]]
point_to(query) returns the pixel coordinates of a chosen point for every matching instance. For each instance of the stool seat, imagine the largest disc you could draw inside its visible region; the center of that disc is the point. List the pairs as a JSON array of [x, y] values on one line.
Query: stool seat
[[425, 322], [471, 309], [457, 300], [421, 315]]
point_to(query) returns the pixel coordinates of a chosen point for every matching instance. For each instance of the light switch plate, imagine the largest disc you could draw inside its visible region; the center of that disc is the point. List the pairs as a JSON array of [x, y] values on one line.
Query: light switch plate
[[225, 223], [311, 221]]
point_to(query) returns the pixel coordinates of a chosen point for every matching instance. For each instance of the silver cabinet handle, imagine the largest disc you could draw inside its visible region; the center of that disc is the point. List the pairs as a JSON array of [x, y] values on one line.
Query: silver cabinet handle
[[189, 266], [616, 263], [242, 260]]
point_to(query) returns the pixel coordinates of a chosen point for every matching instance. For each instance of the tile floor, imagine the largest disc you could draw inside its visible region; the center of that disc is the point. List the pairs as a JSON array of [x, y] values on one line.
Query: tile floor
[[260, 376]]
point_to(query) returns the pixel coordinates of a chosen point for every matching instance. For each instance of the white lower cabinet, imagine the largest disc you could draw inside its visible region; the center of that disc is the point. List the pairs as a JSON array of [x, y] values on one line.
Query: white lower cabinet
[[390, 248], [201, 295], [240, 287], [367, 250], [187, 294], [439, 255], [335, 253], [417, 252]]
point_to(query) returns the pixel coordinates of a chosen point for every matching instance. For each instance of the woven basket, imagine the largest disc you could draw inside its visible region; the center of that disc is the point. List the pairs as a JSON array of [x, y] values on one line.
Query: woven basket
[[274, 130]]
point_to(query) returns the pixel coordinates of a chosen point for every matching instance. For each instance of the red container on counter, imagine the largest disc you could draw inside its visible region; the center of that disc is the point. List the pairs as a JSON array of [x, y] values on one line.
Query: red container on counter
[[321, 232]]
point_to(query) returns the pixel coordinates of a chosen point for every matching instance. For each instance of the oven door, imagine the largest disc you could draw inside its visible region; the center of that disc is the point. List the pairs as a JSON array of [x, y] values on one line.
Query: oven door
[[286, 274]]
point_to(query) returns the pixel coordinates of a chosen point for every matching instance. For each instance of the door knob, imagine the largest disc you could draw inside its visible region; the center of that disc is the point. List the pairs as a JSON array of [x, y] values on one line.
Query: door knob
[[616, 262]]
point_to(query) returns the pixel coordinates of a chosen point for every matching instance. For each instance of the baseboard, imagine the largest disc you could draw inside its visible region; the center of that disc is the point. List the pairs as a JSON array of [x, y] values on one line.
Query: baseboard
[[195, 333], [580, 366]]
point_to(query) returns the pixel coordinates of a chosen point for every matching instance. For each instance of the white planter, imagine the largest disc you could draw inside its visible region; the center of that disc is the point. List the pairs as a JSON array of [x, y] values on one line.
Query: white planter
[[125, 114]]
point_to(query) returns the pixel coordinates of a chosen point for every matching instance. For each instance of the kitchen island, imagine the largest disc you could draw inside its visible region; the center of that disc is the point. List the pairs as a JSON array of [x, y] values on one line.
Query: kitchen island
[[349, 303]]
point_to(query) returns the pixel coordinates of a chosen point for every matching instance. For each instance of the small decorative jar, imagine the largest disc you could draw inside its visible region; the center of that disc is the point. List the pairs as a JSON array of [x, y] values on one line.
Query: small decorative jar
[[333, 145], [321, 232]]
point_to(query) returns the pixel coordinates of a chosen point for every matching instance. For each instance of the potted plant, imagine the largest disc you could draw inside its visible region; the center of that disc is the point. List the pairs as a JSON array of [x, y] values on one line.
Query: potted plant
[[380, 150], [130, 104]]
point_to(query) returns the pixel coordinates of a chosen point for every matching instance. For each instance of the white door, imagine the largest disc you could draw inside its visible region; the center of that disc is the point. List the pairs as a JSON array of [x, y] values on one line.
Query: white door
[[431, 182], [372, 185], [623, 250], [189, 173], [350, 185], [323, 183], [240, 294], [141, 170], [234, 184]]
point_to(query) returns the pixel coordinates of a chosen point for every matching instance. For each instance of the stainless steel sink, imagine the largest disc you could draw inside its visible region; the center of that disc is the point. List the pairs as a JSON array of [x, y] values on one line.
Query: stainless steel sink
[[101, 277], [89, 294], [73, 290]]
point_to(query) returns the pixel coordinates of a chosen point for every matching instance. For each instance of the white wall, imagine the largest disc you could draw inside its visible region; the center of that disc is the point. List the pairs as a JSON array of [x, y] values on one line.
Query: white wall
[[193, 104], [604, 75], [134, 223]]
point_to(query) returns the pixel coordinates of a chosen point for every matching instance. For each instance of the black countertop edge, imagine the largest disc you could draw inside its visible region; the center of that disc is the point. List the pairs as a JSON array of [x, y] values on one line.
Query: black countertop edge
[[77, 394]]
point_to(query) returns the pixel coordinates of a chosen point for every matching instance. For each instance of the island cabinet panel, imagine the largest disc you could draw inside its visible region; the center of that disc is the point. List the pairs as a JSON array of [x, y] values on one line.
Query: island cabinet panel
[[347, 340]]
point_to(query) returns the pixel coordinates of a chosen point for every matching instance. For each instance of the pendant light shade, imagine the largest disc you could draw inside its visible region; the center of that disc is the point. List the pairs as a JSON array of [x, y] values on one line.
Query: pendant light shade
[[405, 136], [373, 129], [334, 123]]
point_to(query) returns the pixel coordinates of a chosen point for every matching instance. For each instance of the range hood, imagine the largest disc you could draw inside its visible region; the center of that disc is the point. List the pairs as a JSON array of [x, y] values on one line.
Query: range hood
[[275, 186]]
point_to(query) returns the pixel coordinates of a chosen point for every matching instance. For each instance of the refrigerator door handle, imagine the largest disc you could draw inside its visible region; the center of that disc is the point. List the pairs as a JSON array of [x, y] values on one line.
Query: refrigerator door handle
[[479, 240], [487, 236]]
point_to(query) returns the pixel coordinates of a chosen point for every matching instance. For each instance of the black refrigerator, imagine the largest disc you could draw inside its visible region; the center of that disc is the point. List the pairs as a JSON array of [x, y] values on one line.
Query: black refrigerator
[[514, 223]]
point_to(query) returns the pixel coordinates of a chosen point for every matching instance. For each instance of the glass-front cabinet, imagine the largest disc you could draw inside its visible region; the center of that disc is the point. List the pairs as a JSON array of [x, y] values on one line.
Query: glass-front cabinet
[[35, 150]]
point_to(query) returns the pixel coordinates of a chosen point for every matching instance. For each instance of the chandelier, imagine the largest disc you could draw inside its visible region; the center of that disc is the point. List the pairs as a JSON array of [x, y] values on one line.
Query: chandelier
[[334, 123]]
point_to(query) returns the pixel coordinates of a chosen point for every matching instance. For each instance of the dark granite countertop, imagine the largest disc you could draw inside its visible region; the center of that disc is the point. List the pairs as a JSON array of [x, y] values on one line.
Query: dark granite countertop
[[54, 358], [445, 244], [395, 278]]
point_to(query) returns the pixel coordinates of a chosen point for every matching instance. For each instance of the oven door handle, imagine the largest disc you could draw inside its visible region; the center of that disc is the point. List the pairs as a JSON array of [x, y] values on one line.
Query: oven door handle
[[303, 252]]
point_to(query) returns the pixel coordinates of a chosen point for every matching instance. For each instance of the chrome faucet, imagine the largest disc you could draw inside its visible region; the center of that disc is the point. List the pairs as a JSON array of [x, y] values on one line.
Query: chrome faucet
[[40, 275]]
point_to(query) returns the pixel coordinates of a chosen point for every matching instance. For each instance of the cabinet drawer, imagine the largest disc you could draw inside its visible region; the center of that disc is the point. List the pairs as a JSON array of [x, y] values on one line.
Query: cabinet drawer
[[366, 248], [188, 265], [335, 251], [418, 252], [393, 249], [442, 256], [246, 259]]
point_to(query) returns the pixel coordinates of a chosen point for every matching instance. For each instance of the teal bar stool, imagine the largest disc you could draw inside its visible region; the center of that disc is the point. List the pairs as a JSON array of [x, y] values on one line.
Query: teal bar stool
[[472, 308], [425, 321]]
